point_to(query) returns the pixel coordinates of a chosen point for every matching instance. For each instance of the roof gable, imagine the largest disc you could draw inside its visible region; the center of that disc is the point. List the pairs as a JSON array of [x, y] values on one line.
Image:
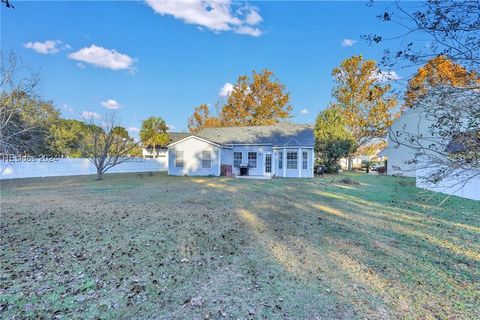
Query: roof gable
[[191, 136]]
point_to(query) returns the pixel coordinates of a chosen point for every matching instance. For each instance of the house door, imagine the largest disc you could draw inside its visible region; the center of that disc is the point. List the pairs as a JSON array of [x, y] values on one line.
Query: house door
[[268, 163]]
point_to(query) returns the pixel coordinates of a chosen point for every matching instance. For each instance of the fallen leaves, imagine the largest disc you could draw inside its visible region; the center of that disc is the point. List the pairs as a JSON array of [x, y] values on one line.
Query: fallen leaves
[[136, 249]]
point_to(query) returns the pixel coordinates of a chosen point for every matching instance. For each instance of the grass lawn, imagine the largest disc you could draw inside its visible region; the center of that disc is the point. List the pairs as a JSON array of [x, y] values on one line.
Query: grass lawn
[[141, 246]]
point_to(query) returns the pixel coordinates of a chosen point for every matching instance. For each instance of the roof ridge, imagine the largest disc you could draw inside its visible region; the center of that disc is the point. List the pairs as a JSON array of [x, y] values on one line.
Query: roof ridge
[[262, 126]]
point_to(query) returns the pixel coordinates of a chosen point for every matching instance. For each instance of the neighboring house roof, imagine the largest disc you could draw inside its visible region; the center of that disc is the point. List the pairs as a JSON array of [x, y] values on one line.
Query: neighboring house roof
[[278, 135], [383, 152], [173, 137]]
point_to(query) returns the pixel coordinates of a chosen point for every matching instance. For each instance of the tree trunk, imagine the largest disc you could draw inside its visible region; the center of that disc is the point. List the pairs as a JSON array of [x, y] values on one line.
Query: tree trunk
[[99, 175], [154, 152], [349, 163]]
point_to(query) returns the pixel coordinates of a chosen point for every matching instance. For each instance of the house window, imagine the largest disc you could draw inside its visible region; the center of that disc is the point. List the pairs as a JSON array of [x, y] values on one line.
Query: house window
[[280, 160], [252, 159], [305, 160], [179, 159], [292, 160], [206, 159], [237, 159]]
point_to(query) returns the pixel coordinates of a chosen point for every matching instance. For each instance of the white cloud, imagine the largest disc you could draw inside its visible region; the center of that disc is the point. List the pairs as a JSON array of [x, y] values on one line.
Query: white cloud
[[304, 111], [254, 32], [348, 42], [216, 15], [67, 107], [47, 47], [384, 76], [170, 127], [226, 90], [111, 104], [133, 129], [103, 58], [90, 115], [253, 18]]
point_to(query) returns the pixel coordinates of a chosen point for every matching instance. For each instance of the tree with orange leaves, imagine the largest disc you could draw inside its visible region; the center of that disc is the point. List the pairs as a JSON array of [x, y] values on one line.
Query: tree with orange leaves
[[437, 71], [260, 100], [202, 118]]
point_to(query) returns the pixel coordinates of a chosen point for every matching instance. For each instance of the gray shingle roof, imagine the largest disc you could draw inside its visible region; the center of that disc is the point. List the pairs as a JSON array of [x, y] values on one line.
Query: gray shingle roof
[[280, 135], [175, 136]]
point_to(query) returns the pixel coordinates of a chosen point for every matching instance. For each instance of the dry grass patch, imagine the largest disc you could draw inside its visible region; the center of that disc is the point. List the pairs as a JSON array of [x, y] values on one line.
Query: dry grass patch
[[141, 246]]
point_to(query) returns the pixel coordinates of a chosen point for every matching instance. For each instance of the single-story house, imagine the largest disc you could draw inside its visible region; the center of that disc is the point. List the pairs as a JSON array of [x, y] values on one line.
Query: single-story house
[[374, 155], [281, 150]]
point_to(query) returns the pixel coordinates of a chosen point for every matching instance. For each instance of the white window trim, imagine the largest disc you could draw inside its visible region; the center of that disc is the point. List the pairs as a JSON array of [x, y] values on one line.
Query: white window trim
[[271, 163], [256, 159], [241, 158], [295, 161], [203, 159], [176, 159], [304, 160]]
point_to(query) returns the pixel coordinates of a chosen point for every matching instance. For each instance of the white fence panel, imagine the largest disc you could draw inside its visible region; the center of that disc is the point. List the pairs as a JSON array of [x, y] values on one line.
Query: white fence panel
[[75, 167], [451, 184]]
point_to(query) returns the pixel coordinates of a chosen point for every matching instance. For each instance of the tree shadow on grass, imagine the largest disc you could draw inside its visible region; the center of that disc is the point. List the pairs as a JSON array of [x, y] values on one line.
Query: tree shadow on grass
[[380, 259]]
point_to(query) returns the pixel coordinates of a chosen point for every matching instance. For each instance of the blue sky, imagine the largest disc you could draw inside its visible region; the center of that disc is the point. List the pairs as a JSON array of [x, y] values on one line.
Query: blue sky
[[165, 58]]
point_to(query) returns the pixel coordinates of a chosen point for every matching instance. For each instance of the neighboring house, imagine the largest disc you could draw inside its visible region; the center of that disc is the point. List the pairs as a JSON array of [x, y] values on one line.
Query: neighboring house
[[282, 150], [378, 156], [356, 162], [162, 151], [382, 155], [400, 149], [416, 149]]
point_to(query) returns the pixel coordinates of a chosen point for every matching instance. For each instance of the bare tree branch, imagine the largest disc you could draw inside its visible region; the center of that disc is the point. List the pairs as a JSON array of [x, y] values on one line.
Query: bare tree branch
[[16, 135], [451, 145], [104, 147]]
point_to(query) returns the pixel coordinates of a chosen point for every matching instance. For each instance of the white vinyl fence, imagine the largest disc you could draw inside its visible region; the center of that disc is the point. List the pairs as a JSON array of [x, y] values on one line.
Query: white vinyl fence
[[74, 167], [450, 185]]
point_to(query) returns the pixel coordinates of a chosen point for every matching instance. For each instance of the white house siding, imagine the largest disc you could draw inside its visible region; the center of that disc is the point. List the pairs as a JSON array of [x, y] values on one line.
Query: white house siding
[[159, 153], [192, 148], [260, 150], [398, 155], [453, 184], [161, 156]]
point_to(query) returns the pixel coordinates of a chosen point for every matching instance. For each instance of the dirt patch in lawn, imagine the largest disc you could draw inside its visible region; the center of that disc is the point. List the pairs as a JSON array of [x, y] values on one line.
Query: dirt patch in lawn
[[140, 246]]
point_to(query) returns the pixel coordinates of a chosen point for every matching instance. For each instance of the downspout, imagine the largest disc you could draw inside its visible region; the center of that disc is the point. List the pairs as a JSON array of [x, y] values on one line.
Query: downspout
[[219, 161]]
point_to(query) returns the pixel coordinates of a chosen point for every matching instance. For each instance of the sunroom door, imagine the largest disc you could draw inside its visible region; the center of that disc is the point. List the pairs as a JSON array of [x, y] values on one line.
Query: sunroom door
[[268, 164]]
